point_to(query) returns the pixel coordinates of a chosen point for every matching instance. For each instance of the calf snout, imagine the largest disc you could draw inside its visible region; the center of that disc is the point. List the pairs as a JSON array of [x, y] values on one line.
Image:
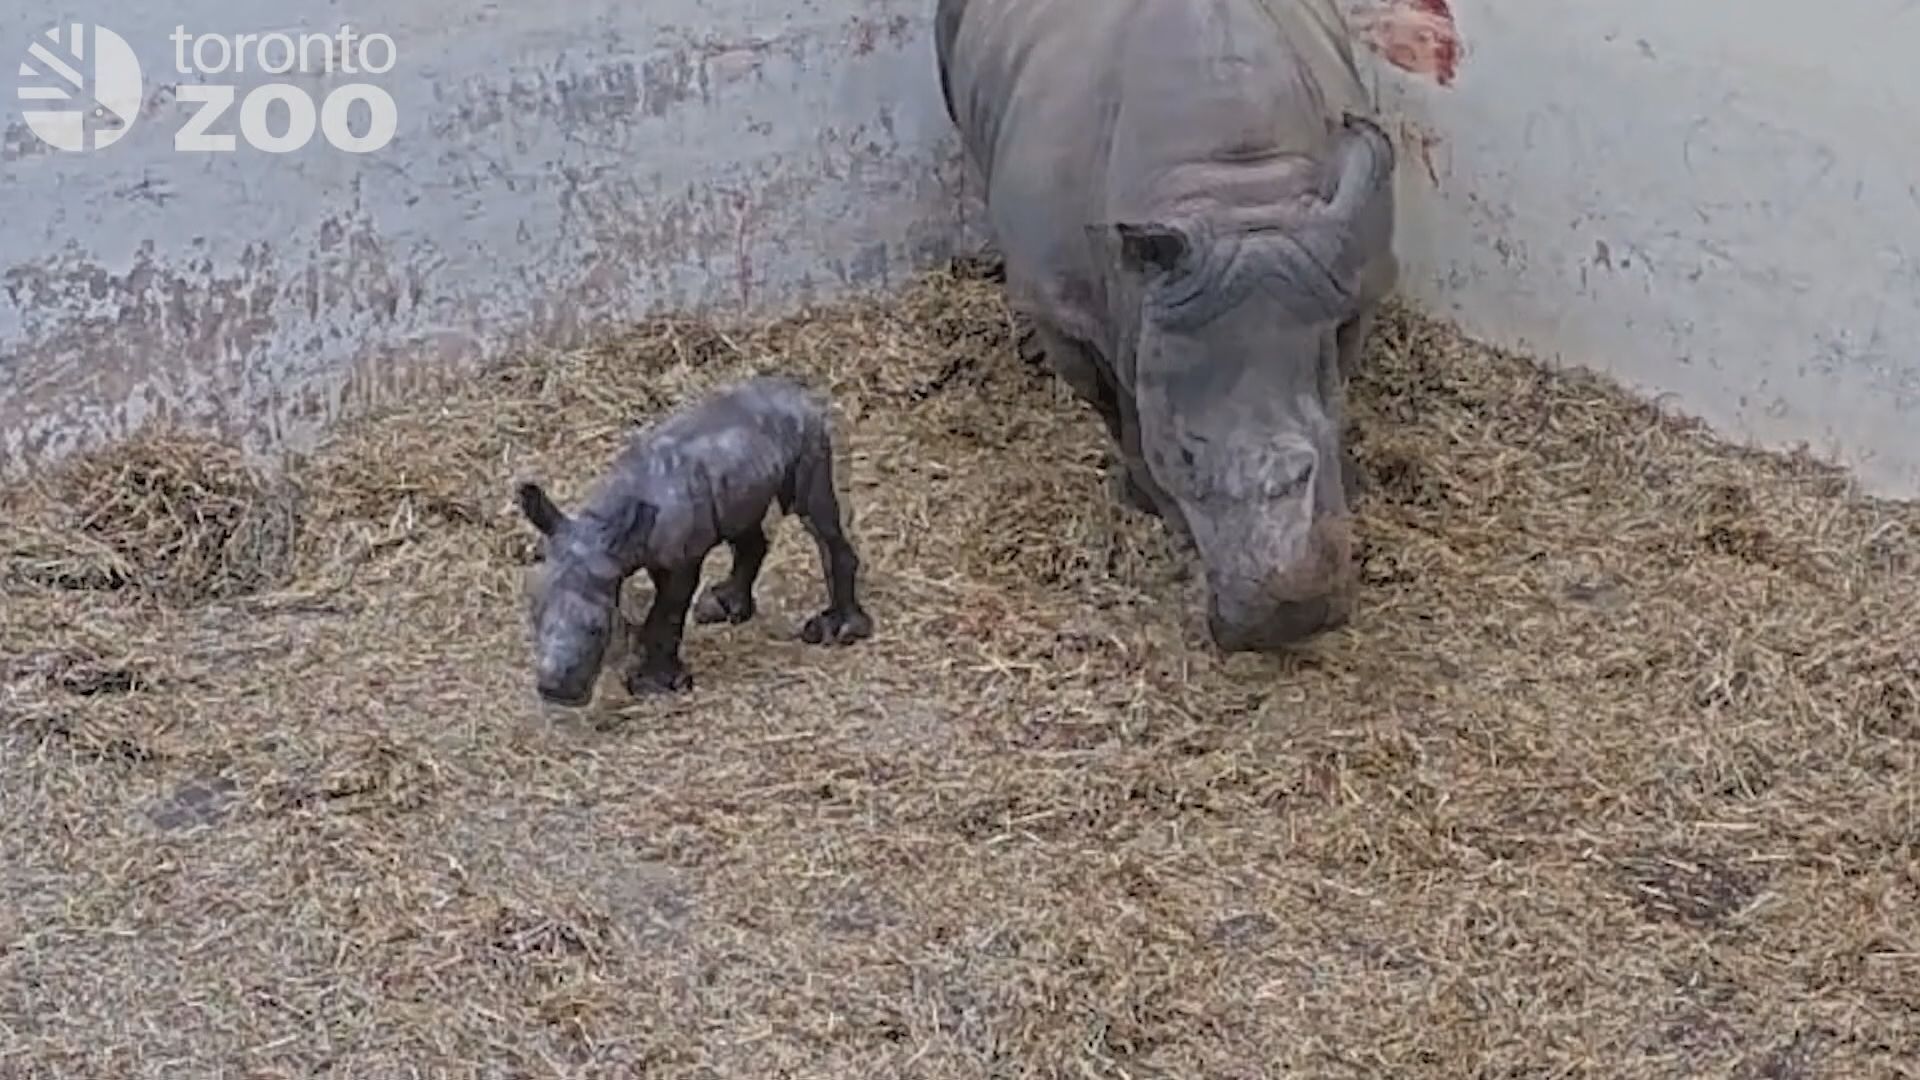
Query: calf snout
[[558, 685], [572, 697]]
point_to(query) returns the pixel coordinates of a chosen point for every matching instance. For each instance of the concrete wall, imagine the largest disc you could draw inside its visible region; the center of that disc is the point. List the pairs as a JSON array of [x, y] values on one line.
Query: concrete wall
[[1715, 202], [556, 166]]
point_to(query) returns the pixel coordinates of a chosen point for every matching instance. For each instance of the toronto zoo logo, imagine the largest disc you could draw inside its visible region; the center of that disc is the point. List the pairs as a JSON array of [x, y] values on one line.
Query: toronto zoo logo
[[79, 95], [81, 89]]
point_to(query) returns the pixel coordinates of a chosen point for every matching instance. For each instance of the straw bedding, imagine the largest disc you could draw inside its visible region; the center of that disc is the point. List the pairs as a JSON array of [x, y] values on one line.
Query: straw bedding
[[1613, 774]]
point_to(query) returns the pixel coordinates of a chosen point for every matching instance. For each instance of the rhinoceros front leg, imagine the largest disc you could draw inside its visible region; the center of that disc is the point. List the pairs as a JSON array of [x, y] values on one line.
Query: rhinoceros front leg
[[1129, 481], [731, 600], [1074, 364], [660, 669], [1352, 338], [1351, 341], [1080, 368], [844, 621], [1377, 282]]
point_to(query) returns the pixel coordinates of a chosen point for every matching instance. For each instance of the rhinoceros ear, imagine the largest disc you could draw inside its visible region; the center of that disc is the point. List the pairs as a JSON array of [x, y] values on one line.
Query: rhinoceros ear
[[1153, 245], [538, 508], [1362, 166], [636, 528]]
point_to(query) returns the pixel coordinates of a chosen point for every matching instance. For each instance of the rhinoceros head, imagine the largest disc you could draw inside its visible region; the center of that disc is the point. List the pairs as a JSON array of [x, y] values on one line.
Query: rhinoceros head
[[1237, 390], [574, 600]]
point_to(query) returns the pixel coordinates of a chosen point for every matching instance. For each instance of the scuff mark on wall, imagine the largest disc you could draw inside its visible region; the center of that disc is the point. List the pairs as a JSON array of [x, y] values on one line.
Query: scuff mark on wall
[[18, 141], [576, 187], [865, 34], [92, 332], [1423, 142], [1725, 228], [1416, 36]]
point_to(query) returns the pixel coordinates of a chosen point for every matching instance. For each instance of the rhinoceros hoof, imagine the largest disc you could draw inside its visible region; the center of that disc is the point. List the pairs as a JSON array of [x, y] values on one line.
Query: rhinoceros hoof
[[1126, 491], [659, 679], [1027, 344], [837, 627], [723, 603], [1351, 477], [988, 264]]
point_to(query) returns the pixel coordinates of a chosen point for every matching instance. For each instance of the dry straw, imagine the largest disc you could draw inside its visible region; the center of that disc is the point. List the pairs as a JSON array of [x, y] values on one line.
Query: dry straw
[[1612, 776]]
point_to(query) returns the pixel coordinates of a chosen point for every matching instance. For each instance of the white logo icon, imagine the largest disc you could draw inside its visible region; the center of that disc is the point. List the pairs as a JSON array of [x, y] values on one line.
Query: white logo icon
[[96, 85]]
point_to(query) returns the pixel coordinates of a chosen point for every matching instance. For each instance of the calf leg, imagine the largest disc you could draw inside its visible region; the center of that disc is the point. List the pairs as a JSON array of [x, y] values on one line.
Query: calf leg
[[731, 600], [843, 622], [660, 669]]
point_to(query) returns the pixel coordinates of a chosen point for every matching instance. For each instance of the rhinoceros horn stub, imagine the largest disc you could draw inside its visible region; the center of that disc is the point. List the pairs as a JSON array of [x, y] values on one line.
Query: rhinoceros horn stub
[[1362, 169], [1317, 251], [1308, 255]]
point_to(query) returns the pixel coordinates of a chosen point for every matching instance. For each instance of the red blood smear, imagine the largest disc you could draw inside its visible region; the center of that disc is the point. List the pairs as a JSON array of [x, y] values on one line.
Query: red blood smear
[[1418, 36]]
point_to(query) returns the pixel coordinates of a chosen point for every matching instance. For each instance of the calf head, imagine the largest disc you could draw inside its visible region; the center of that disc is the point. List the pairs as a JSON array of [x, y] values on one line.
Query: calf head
[[1237, 395], [576, 589]]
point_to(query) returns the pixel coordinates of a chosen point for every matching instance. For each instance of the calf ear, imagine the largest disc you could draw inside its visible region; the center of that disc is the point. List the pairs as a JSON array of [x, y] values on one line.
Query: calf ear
[[636, 528], [539, 509]]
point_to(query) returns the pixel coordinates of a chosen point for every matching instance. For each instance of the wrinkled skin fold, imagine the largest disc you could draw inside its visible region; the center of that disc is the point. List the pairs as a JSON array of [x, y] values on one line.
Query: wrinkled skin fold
[[1196, 217]]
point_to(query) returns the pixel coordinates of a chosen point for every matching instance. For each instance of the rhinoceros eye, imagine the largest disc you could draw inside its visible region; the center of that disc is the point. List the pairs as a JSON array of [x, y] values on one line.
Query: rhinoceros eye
[[1293, 475], [1302, 476]]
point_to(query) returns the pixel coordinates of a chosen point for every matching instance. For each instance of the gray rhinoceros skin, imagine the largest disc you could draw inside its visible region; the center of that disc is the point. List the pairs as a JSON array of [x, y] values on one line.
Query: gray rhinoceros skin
[[705, 475], [1196, 216]]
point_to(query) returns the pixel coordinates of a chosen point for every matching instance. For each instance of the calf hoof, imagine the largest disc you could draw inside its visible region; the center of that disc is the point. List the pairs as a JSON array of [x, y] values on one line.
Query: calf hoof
[[647, 682], [723, 603], [837, 628]]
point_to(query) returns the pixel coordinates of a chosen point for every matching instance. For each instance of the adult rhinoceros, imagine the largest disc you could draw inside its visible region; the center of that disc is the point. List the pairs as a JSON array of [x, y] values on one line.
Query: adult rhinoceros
[[1196, 218]]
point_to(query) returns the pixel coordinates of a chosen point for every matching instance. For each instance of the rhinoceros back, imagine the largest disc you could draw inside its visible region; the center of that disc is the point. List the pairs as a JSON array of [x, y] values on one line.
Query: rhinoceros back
[[1073, 109]]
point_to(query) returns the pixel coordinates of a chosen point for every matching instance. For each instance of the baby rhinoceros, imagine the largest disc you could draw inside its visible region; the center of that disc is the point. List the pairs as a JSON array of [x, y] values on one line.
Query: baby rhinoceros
[[704, 476]]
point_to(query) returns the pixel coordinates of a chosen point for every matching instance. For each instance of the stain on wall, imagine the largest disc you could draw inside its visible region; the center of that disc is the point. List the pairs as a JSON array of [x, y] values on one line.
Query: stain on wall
[[558, 170], [563, 168], [1423, 146], [1416, 36], [1709, 210]]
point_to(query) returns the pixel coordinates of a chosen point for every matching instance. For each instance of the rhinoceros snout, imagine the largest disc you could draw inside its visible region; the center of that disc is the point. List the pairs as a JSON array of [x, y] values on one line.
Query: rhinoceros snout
[[566, 681], [1254, 608], [563, 691], [1278, 626]]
